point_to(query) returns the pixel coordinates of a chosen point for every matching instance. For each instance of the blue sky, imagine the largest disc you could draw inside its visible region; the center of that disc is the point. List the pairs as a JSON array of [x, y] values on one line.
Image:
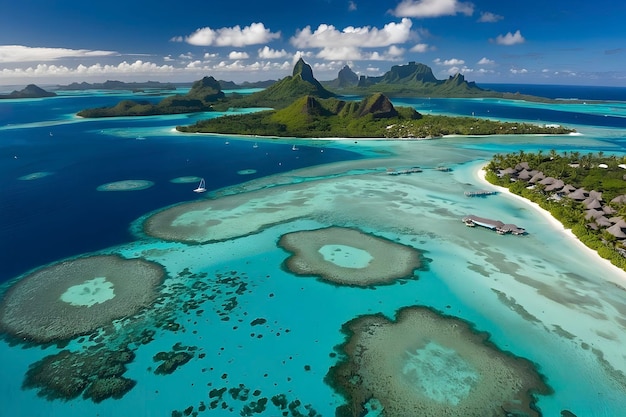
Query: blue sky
[[489, 41]]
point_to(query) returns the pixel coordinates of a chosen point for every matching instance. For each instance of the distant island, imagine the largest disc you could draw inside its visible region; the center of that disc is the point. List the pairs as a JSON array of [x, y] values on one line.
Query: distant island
[[201, 97], [316, 112], [30, 91], [119, 85], [417, 80]]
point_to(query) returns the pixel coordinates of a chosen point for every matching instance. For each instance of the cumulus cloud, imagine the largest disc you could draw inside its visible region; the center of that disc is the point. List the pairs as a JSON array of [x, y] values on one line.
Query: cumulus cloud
[[420, 48], [352, 53], [238, 55], [20, 53], [486, 61], [363, 37], [488, 17], [51, 70], [268, 53], [510, 39], [432, 8], [448, 62], [208, 55], [235, 36], [519, 71]]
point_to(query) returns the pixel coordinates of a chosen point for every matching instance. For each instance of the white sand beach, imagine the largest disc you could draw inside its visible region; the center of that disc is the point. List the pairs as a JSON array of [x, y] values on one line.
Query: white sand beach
[[480, 175]]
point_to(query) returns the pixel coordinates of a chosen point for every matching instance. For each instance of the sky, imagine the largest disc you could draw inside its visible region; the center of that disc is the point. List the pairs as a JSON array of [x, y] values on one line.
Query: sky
[[569, 42]]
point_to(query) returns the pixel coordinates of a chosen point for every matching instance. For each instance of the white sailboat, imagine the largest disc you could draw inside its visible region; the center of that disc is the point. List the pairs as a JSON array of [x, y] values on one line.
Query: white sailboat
[[201, 187], [294, 148]]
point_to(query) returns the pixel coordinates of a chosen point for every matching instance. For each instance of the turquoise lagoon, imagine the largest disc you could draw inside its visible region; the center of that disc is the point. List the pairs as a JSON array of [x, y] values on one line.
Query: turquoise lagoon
[[252, 325]]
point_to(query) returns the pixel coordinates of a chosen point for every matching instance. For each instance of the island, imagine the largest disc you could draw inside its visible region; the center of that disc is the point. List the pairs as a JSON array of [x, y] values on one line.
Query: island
[[30, 91], [201, 97], [316, 112], [119, 85], [417, 80], [585, 192], [303, 107]]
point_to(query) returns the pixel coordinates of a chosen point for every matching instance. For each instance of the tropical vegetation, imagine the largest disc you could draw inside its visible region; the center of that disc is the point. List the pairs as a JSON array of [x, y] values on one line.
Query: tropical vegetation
[[598, 172]]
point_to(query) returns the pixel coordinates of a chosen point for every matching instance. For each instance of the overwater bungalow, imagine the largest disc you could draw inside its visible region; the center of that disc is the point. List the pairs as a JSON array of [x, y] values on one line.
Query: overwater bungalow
[[496, 225]]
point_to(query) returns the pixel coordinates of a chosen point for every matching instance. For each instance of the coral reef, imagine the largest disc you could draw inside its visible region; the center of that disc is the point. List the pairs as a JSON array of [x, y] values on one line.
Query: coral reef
[[426, 363]]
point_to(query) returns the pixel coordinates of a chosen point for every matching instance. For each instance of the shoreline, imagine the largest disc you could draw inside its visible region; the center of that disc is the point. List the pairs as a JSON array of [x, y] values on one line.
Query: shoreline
[[480, 175]]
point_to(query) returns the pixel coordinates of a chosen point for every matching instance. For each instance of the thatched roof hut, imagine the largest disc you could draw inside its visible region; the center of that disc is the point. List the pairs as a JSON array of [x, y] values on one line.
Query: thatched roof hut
[[547, 181], [568, 188], [592, 203], [603, 221], [521, 166], [593, 214], [555, 186], [507, 171], [616, 231], [620, 199], [595, 194], [537, 177], [608, 210], [578, 195], [524, 175]]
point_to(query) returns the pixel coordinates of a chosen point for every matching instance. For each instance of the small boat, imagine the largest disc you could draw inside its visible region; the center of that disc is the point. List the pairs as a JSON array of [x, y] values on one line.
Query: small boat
[[294, 148], [256, 145], [201, 187]]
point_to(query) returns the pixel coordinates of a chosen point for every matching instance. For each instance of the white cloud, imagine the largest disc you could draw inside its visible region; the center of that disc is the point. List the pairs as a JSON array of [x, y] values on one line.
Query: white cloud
[[447, 62], [510, 39], [519, 71], [168, 58], [420, 47], [268, 53], [177, 39], [235, 36], [488, 17], [432, 8], [486, 61], [51, 70], [352, 53], [362, 37], [208, 55], [20, 53], [351, 6], [238, 55], [188, 55]]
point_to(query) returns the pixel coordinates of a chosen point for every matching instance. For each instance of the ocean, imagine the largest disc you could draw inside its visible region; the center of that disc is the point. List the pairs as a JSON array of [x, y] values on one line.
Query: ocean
[[258, 336]]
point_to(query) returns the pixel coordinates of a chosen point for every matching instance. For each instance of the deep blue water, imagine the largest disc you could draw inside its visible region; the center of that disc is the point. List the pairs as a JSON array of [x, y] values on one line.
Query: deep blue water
[[63, 214], [567, 92], [496, 109]]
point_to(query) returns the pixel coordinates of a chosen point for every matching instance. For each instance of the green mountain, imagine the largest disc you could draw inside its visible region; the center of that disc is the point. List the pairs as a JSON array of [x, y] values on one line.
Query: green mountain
[[30, 91], [201, 97], [415, 79], [345, 78], [286, 91], [311, 116]]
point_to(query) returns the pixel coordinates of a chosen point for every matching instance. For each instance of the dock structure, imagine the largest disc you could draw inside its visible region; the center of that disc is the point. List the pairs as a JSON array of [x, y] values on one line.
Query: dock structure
[[499, 227], [413, 170], [479, 193]]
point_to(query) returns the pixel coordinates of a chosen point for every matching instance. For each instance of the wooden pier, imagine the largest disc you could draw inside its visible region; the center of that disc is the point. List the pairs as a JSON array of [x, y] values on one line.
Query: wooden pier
[[499, 227], [391, 171], [480, 193]]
